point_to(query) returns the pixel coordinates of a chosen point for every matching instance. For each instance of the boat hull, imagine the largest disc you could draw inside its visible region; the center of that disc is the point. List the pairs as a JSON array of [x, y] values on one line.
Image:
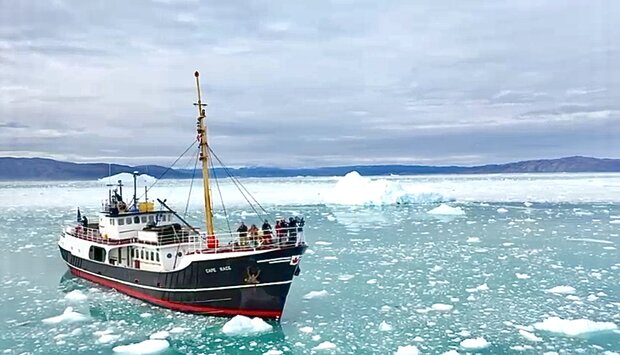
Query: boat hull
[[252, 285]]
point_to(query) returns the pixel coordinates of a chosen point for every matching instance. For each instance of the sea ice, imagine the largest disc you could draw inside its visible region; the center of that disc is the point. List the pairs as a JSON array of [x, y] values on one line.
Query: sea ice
[[273, 352], [440, 307], [502, 210], [306, 329], [76, 296], [354, 189], [407, 350], [242, 325], [522, 276], [160, 335], [573, 327], [529, 336], [445, 210], [177, 330], [564, 290], [475, 343], [68, 316], [108, 338], [473, 240], [482, 287], [326, 345], [127, 177], [315, 294], [385, 327], [150, 346]]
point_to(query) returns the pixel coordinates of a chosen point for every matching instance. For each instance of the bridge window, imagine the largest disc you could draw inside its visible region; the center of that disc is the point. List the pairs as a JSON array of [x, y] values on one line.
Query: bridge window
[[143, 219], [136, 220], [121, 222], [96, 253], [128, 220], [152, 256], [157, 257], [141, 253]]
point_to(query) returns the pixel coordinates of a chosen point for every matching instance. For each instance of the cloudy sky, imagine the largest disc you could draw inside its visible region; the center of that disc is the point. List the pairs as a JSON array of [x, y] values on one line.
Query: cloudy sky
[[292, 83]]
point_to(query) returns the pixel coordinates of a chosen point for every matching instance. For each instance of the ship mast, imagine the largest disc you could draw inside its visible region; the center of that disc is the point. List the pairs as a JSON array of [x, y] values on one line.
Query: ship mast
[[201, 128]]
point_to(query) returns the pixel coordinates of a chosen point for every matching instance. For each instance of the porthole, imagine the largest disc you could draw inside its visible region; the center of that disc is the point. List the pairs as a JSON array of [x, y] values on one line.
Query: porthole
[[179, 254], [169, 256]]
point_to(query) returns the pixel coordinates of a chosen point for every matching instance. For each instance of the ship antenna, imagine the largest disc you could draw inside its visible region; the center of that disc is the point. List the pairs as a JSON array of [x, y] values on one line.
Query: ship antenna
[[204, 158]]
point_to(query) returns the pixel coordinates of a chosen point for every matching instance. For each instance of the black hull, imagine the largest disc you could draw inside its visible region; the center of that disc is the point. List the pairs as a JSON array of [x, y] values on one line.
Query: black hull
[[252, 285]]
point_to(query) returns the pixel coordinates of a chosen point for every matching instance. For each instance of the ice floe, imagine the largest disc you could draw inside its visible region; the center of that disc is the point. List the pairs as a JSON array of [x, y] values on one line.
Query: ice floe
[[573, 327], [273, 352], [306, 329], [482, 287], [76, 296], [563, 290], [354, 189], [68, 316], [315, 294], [151, 346], [127, 178], [242, 325], [385, 327], [502, 210], [326, 345], [522, 276], [407, 350], [529, 336], [440, 307], [108, 338], [445, 210], [475, 343], [160, 335]]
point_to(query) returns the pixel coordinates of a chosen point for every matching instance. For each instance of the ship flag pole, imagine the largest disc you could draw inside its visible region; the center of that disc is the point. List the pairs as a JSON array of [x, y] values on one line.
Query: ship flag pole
[[201, 128]]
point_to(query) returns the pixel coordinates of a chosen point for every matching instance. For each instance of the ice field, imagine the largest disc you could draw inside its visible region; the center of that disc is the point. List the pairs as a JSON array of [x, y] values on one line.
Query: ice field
[[400, 265]]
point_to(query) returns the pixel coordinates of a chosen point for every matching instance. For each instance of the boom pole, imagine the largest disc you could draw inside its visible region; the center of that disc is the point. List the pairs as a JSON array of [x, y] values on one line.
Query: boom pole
[[201, 128]]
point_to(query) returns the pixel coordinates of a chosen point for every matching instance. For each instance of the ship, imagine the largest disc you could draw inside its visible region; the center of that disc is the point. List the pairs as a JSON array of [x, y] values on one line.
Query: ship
[[145, 249]]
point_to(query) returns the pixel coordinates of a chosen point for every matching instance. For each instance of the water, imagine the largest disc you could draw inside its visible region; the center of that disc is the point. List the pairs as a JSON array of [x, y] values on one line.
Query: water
[[433, 280]]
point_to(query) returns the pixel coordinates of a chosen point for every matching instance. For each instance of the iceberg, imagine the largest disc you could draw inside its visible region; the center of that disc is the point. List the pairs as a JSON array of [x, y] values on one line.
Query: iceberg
[[242, 325], [326, 345], [407, 350], [315, 294], [562, 290], [475, 343], [445, 210], [76, 296], [150, 346], [573, 327], [127, 178], [354, 189], [68, 316]]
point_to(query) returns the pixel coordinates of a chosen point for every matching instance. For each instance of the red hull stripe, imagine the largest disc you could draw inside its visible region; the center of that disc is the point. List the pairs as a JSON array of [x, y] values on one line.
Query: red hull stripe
[[183, 307]]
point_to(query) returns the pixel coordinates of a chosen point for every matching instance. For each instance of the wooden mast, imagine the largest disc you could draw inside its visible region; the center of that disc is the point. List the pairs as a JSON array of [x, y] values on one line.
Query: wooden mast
[[201, 128]]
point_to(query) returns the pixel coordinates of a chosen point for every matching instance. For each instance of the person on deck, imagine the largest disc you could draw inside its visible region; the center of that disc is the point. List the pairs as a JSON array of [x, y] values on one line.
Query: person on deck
[[84, 222], [243, 233], [266, 228], [253, 231], [292, 229], [279, 231]]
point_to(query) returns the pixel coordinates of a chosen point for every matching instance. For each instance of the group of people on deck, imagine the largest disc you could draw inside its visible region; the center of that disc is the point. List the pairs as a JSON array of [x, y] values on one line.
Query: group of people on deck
[[285, 231]]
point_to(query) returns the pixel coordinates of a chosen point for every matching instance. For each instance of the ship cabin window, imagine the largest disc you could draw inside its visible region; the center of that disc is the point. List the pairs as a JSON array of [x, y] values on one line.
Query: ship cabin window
[[136, 220], [157, 257], [96, 253], [143, 219], [152, 256], [141, 254], [111, 221], [128, 220], [151, 219], [121, 221]]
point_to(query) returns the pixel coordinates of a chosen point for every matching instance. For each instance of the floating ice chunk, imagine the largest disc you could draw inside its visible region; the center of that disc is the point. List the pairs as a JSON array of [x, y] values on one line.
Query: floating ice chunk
[[475, 343], [527, 204], [407, 350], [108, 338], [76, 296], [445, 210], [320, 242], [242, 325], [315, 294], [529, 336], [150, 346], [522, 276], [451, 352], [306, 329], [345, 277], [326, 345], [473, 240], [482, 287], [273, 352], [177, 330], [371, 281], [385, 327], [440, 307], [316, 337], [160, 335], [145, 315], [127, 177], [592, 297], [68, 316], [573, 327], [564, 290], [386, 308], [354, 189], [436, 268], [502, 210]]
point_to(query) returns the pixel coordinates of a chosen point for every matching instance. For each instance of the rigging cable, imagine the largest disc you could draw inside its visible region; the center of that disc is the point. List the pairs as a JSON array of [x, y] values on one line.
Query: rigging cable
[[221, 197], [191, 184]]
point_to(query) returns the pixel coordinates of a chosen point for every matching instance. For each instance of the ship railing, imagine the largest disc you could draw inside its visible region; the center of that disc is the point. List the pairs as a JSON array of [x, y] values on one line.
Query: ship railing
[[233, 242], [93, 235]]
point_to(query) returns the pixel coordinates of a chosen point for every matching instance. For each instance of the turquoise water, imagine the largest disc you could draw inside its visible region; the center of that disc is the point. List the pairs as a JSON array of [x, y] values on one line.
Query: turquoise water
[[432, 281]]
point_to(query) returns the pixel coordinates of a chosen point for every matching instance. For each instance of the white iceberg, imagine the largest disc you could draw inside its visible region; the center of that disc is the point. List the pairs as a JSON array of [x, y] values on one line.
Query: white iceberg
[[562, 290], [573, 327], [76, 296], [475, 343], [440, 307], [315, 294], [385, 327], [445, 210], [326, 345], [354, 189], [108, 338], [68, 316], [160, 335], [127, 178], [407, 350], [151, 346], [242, 325]]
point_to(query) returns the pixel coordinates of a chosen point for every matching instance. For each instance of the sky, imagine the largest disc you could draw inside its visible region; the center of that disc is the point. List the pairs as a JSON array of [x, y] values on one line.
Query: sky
[[311, 83]]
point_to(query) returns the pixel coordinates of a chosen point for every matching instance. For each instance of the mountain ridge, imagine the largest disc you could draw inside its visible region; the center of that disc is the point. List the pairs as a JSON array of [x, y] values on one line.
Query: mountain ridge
[[12, 168]]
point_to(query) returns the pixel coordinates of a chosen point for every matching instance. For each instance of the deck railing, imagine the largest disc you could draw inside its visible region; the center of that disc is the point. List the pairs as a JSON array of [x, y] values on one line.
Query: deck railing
[[197, 243]]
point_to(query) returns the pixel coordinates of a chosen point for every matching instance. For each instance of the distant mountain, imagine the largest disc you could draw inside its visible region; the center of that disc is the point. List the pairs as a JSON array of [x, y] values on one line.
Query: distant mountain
[[48, 169]]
